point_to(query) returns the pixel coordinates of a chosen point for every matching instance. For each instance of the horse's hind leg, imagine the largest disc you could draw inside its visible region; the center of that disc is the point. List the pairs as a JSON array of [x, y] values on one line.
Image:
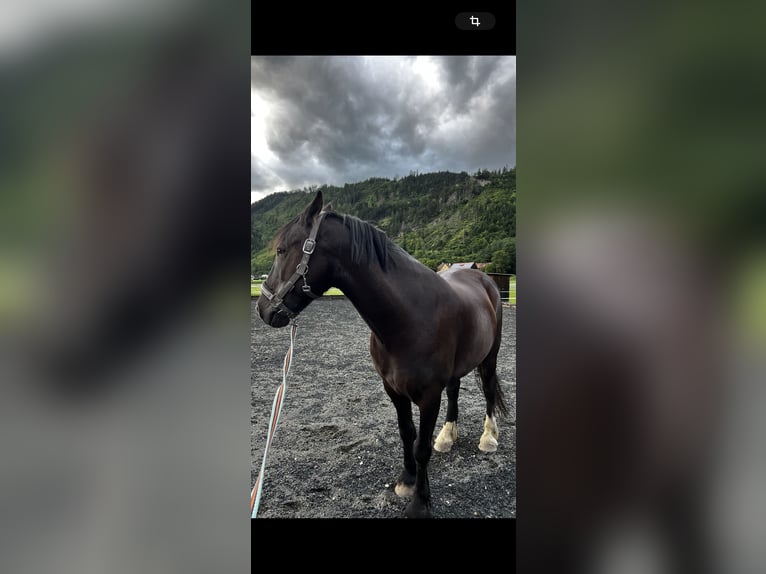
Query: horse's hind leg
[[405, 485], [448, 434], [494, 396]]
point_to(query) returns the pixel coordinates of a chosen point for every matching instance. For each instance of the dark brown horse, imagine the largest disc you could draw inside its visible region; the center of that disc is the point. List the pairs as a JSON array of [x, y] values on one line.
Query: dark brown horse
[[428, 329]]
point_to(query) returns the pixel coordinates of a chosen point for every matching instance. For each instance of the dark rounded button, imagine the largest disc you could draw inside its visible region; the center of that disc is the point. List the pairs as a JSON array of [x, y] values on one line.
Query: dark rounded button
[[475, 21]]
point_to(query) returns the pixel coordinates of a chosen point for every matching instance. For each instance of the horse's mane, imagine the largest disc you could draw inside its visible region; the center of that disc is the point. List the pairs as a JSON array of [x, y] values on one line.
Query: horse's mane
[[368, 243]]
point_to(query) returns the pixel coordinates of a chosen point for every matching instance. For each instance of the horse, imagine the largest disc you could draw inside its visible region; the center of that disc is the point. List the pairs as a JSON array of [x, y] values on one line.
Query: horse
[[428, 329]]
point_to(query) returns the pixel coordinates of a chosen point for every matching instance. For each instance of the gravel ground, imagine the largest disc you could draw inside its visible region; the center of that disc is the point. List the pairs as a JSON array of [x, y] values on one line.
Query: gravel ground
[[337, 452]]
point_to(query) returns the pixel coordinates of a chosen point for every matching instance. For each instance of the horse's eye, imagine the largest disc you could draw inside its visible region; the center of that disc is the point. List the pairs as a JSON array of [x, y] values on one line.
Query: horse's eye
[[280, 251]]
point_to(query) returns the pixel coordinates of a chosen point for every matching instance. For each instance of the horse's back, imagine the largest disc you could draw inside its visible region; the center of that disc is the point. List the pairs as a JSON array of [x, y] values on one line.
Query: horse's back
[[472, 285]]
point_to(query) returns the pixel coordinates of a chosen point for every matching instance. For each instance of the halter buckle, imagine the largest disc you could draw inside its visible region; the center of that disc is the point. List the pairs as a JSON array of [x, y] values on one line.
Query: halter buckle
[[308, 246]]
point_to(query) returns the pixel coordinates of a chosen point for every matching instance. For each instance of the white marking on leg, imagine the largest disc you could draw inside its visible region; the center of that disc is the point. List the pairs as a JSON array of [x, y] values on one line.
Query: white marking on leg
[[447, 437], [402, 489], [488, 441]]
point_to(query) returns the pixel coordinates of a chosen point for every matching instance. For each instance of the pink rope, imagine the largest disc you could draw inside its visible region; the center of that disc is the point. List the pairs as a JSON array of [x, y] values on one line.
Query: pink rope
[[276, 410]]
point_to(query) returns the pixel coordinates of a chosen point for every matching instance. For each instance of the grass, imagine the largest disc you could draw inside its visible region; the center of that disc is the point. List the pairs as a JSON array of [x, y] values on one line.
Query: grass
[[749, 300], [255, 290], [512, 290]]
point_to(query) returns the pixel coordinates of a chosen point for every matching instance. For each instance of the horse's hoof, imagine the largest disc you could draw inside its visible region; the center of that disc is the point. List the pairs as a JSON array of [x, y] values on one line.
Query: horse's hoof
[[443, 444], [417, 509], [447, 437], [402, 489], [487, 443]]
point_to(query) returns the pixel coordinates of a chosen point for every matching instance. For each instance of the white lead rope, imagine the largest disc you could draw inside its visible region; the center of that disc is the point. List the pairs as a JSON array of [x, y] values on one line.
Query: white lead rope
[[276, 409]]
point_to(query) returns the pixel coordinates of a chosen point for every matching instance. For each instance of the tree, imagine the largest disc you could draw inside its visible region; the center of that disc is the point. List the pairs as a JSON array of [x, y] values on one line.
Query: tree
[[504, 259]]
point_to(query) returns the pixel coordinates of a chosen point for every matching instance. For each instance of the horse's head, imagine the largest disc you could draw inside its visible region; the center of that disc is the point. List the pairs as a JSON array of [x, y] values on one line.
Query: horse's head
[[300, 269]]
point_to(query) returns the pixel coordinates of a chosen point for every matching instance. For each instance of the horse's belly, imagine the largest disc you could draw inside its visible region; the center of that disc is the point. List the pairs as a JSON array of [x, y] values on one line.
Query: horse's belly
[[475, 342], [467, 362], [465, 338]]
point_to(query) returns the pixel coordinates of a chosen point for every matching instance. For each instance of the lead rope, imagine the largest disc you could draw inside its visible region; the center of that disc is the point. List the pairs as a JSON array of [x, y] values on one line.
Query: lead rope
[[276, 409]]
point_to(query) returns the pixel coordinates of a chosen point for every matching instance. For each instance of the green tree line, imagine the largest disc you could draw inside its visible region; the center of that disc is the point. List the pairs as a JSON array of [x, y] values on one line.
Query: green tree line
[[436, 217]]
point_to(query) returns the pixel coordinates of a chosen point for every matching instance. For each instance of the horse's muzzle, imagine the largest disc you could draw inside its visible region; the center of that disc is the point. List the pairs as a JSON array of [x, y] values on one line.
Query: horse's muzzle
[[269, 315]]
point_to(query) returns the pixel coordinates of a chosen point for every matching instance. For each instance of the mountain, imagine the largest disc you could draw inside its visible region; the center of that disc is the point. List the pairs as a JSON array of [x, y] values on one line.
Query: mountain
[[436, 217]]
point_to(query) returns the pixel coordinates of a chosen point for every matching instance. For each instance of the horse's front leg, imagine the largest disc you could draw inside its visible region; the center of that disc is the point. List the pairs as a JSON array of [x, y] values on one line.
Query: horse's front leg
[[405, 485], [420, 504]]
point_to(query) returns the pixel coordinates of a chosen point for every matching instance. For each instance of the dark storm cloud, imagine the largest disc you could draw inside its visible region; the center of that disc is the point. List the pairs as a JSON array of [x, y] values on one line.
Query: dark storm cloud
[[258, 175], [341, 119], [468, 76]]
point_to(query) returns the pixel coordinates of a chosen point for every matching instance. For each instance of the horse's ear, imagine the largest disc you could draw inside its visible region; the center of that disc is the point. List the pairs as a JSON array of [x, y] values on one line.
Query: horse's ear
[[314, 209], [327, 207]]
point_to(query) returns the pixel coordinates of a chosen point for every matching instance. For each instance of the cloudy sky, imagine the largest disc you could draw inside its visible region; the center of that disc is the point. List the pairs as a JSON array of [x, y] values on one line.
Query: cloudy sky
[[340, 119]]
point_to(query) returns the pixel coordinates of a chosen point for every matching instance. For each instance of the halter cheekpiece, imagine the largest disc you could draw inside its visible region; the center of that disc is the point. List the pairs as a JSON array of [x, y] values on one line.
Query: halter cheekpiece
[[301, 270]]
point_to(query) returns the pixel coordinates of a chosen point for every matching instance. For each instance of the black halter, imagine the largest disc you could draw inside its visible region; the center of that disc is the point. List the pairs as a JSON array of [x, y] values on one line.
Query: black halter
[[277, 299]]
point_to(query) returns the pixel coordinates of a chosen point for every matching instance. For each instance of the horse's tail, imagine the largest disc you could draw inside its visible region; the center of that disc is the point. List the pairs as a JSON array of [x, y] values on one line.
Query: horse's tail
[[487, 370]]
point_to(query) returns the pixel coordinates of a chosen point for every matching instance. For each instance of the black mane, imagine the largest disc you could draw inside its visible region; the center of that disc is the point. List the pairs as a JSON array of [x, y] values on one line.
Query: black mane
[[367, 241]]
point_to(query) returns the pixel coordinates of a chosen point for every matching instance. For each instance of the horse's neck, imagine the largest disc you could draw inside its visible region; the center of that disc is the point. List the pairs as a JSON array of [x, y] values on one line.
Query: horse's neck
[[383, 297]]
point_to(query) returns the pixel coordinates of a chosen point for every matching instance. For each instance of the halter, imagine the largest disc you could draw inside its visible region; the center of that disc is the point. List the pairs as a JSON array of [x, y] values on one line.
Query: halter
[[301, 270]]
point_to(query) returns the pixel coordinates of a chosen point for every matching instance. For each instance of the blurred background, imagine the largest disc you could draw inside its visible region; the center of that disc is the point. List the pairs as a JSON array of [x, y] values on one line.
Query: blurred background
[[642, 287], [124, 351]]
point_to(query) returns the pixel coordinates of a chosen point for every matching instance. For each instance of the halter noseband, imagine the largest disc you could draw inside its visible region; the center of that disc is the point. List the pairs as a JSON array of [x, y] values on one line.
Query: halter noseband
[[277, 299]]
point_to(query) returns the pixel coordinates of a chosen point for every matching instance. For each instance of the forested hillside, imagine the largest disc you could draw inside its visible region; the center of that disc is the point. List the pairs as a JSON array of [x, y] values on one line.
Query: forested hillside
[[436, 217]]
